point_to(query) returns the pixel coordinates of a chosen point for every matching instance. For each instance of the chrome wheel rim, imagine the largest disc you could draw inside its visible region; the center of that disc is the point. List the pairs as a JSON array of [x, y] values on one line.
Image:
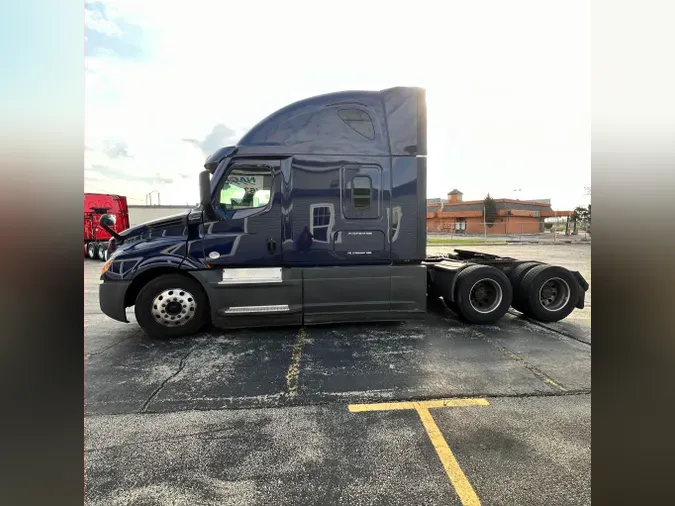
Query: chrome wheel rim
[[554, 294], [173, 307], [485, 295]]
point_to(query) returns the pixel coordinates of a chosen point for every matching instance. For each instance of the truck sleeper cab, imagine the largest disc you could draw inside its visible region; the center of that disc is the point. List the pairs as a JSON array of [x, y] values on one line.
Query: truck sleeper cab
[[317, 215]]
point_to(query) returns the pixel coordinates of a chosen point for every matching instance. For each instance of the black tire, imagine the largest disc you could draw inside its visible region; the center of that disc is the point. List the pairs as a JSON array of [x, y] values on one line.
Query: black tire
[[482, 279], [193, 315], [91, 250], [516, 278], [100, 252], [551, 293]]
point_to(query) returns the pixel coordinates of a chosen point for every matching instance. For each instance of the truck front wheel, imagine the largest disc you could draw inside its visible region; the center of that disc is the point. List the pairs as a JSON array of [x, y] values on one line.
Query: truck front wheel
[[172, 305], [483, 294]]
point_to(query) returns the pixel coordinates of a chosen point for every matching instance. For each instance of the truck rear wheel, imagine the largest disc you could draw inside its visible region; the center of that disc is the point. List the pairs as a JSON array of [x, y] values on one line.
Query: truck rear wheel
[[91, 250], [551, 293], [171, 305], [100, 252], [483, 294], [516, 278]]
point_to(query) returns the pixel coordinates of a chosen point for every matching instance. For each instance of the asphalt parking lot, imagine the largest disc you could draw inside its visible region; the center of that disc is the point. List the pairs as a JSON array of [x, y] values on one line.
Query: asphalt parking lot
[[344, 414]]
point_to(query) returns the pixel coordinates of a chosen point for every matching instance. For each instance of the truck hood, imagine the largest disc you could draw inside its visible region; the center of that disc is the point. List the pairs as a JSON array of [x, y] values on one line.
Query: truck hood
[[173, 221]]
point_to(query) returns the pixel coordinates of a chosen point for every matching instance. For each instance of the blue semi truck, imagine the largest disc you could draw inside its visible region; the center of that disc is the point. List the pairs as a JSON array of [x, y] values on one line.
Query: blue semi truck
[[317, 215]]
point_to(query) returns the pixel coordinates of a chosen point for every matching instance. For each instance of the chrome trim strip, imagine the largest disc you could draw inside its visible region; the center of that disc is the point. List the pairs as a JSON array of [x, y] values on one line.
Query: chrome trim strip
[[256, 309], [247, 276]]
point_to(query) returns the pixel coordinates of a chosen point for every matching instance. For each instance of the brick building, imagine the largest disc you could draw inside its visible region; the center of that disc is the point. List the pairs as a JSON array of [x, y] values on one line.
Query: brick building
[[466, 217]]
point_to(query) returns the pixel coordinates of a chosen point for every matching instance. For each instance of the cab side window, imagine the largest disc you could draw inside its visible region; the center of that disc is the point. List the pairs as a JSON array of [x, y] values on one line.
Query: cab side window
[[246, 188]]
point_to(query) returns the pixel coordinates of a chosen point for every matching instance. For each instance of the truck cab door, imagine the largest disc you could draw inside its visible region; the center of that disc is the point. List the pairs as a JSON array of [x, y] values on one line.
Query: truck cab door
[[242, 246], [247, 228]]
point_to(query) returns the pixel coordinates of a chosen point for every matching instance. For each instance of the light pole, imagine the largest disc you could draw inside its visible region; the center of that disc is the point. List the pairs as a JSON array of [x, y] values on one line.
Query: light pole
[[148, 197]]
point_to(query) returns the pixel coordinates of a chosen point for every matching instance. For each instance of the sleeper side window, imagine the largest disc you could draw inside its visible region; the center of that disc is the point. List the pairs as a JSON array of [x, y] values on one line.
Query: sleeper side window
[[361, 193], [359, 121], [362, 188]]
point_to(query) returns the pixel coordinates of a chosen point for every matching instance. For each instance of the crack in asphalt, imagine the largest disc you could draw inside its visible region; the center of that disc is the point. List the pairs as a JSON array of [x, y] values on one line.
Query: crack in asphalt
[[181, 365], [93, 354], [544, 326], [566, 393], [538, 373], [300, 402], [157, 440]]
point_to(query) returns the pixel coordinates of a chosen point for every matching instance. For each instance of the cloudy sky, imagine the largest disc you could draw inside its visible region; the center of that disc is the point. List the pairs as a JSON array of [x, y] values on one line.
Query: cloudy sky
[[508, 86]]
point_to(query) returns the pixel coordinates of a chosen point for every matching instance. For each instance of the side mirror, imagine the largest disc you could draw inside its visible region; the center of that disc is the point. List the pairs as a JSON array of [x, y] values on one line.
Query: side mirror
[[108, 220], [205, 194]]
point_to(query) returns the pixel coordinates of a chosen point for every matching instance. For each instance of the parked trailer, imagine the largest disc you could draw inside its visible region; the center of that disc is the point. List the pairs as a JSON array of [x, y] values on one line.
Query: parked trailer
[[96, 237], [317, 215]]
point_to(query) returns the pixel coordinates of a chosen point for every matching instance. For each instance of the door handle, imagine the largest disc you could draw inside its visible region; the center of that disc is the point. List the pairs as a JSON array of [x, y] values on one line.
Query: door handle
[[271, 245]]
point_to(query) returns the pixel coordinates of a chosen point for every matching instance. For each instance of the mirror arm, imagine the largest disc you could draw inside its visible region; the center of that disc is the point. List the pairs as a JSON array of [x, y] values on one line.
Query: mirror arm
[[117, 237], [205, 195], [210, 213]]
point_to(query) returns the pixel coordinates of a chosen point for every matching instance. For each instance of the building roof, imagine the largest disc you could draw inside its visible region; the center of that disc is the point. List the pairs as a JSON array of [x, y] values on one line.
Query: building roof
[[477, 205], [455, 192], [499, 204]]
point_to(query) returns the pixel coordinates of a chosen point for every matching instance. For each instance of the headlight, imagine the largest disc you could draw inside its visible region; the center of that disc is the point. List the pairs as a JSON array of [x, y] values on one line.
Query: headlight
[[106, 266]]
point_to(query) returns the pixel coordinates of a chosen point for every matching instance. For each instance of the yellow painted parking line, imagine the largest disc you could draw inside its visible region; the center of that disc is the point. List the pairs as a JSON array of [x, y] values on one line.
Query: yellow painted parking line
[[467, 495], [293, 375], [551, 382], [440, 403]]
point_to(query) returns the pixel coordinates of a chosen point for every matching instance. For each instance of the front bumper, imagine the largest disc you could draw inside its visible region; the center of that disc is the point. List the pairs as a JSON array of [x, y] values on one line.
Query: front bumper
[[111, 299]]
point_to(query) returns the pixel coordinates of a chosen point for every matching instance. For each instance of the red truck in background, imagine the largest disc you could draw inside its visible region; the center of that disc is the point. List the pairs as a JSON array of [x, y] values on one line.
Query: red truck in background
[[95, 237]]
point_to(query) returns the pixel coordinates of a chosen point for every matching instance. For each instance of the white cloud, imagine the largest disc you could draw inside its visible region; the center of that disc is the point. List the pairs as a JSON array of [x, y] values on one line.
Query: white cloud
[[508, 84], [95, 21]]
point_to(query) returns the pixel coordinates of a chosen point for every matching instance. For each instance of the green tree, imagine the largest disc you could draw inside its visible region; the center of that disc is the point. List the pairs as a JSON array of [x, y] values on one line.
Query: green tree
[[490, 209], [580, 214], [583, 215]]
